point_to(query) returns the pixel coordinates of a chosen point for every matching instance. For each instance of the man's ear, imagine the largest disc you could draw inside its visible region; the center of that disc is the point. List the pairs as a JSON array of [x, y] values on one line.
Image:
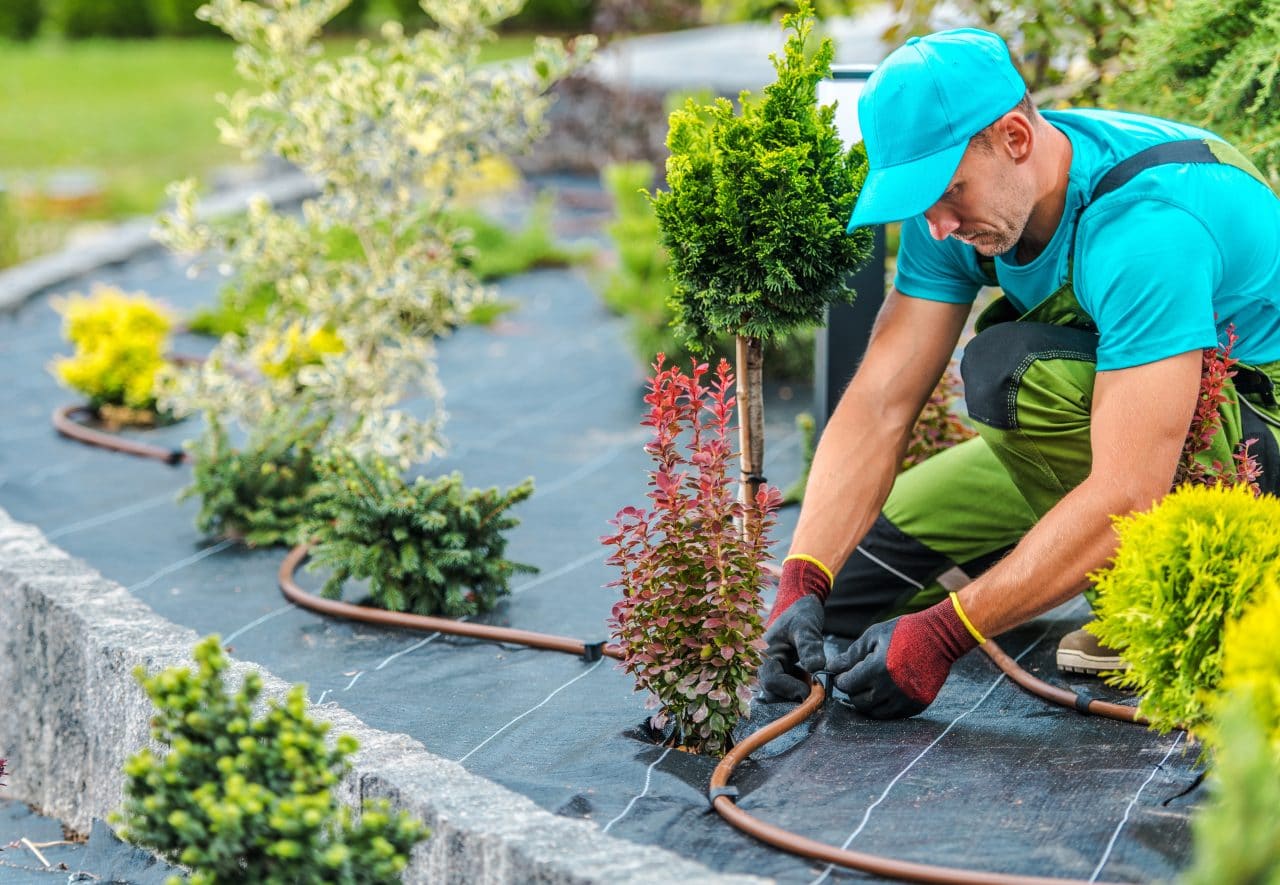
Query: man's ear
[[1017, 135]]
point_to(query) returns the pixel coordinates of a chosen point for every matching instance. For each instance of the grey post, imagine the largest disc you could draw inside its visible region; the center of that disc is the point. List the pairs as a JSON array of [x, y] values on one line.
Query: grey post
[[839, 345]]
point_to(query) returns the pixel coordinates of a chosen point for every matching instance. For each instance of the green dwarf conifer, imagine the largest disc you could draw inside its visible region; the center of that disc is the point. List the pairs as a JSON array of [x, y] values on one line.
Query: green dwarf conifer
[[245, 797], [431, 547], [754, 218], [261, 491]]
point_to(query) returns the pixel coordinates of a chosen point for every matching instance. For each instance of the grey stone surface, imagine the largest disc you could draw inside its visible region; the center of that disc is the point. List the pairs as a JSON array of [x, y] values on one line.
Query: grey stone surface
[[69, 642]]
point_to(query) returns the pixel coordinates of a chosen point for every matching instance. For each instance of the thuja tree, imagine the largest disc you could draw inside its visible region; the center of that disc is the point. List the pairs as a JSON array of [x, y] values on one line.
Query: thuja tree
[[240, 796], [1182, 571], [755, 215], [1212, 63], [386, 132], [688, 622], [431, 547]]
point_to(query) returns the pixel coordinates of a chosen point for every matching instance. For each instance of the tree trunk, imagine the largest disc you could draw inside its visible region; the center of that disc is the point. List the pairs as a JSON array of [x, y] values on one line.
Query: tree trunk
[[750, 370]]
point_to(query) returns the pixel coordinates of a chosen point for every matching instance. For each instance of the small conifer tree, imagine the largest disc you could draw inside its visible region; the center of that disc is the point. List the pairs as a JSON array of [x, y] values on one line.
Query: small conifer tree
[[261, 491], [754, 218], [431, 547]]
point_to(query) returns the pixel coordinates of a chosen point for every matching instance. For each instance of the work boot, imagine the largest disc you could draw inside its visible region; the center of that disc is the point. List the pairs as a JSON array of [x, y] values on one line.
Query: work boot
[[1081, 652]]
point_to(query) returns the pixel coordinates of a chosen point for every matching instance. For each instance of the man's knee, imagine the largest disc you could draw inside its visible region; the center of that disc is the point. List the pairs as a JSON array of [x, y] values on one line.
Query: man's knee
[[996, 363]]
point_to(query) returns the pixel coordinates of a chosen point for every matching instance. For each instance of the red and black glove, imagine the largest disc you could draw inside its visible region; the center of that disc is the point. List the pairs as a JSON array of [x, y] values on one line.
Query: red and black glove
[[793, 630], [896, 668]]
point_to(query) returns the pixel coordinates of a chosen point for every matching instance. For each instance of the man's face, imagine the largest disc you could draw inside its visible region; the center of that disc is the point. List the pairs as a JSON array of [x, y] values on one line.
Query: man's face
[[987, 203]]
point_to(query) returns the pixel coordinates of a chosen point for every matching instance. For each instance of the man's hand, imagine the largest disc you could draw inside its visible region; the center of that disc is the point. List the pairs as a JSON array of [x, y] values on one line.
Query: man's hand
[[793, 631], [896, 668]]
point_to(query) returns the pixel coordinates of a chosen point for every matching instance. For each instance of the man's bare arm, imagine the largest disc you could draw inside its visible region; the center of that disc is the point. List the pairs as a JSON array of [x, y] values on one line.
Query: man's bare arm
[[1140, 421], [865, 439]]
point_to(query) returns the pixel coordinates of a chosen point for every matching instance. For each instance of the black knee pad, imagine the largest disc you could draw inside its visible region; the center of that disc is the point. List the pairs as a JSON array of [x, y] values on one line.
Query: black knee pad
[[997, 358]]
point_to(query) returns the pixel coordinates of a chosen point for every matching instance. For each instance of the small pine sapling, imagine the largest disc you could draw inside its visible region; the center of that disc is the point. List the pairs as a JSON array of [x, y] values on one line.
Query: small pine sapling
[[754, 220], [689, 620], [431, 548], [261, 492], [1182, 571], [239, 797]]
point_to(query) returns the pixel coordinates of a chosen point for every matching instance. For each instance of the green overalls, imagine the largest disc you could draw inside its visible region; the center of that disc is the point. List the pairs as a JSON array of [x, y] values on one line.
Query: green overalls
[[1029, 390]]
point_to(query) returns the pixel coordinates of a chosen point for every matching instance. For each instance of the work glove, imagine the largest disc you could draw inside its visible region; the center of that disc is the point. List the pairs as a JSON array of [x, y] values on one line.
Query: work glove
[[896, 668], [793, 631]]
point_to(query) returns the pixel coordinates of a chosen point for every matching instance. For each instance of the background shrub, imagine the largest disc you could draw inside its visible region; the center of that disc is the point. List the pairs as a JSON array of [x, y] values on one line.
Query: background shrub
[[553, 15], [77, 19], [20, 19], [1251, 666], [430, 548], [1183, 570], [239, 797], [1212, 63], [177, 18]]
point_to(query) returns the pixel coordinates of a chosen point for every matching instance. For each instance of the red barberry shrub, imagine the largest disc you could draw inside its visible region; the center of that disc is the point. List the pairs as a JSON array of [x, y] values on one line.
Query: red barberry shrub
[[689, 621], [938, 427], [1217, 368]]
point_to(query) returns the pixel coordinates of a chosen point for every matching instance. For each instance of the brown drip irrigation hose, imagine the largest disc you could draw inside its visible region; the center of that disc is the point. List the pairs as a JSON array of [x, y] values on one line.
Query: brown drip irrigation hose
[[722, 800], [68, 421], [1061, 696], [336, 608], [719, 790]]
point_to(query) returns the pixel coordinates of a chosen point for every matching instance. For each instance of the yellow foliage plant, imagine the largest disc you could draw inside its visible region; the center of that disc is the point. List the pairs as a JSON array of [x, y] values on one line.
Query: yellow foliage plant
[[1250, 665], [119, 341], [284, 355], [1183, 571]]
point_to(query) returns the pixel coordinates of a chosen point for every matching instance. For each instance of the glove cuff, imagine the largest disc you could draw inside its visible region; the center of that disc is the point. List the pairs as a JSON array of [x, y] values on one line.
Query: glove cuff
[[801, 576], [942, 626]]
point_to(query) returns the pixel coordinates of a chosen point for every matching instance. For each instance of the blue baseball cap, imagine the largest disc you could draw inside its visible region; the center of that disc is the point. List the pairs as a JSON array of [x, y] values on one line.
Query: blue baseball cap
[[918, 111]]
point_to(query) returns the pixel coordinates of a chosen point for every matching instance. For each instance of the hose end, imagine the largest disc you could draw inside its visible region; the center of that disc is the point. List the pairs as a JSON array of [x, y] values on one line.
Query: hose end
[[592, 651]]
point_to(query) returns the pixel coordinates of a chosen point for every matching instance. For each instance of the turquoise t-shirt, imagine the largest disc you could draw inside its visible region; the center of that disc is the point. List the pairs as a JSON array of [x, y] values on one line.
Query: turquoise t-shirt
[[1163, 265]]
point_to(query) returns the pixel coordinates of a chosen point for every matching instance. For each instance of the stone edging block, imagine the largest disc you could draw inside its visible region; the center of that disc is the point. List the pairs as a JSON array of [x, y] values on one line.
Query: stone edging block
[[72, 713]]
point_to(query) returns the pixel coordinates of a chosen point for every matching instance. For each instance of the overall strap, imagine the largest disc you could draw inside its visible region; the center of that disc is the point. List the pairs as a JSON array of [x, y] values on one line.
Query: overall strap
[[1192, 150]]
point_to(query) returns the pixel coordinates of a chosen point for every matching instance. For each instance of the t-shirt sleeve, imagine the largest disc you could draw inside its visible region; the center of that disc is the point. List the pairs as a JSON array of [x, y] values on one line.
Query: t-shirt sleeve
[[939, 271], [1146, 272]]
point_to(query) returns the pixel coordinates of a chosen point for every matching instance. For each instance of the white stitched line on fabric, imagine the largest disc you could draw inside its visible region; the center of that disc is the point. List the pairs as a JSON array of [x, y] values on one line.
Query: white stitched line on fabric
[[55, 470], [648, 773], [560, 572], [182, 563], [417, 645], [324, 694], [1106, 855], [110, 516], [585, 470], [354, 680], [262, 620], [890, 569], [531, 709], [866, 816]]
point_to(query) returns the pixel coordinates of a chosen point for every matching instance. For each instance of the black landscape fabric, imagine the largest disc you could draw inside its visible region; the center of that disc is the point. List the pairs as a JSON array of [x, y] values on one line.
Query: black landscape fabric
[[988, 778]]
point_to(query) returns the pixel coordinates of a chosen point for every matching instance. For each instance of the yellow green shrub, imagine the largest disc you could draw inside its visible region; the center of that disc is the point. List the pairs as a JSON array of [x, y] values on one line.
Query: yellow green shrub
[[119, 344], [284, 355], [1183, 570], [1250, 665]]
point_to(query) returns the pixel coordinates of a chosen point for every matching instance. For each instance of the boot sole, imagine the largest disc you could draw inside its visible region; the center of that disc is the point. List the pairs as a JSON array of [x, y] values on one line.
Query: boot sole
[[1072, 661]]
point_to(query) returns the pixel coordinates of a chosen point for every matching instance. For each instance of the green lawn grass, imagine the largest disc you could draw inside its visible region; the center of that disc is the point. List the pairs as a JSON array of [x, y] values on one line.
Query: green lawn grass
[[138, 113]]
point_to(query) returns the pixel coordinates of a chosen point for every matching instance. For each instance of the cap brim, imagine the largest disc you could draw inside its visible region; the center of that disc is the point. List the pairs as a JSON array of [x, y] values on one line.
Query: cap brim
[[899, 192]]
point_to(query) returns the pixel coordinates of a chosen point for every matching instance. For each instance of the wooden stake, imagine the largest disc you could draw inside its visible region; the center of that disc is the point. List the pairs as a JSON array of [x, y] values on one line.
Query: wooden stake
[[750, 372]]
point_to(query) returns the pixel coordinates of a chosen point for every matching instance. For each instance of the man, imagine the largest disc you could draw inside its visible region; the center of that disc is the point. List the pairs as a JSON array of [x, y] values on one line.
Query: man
[[1125, 246]]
